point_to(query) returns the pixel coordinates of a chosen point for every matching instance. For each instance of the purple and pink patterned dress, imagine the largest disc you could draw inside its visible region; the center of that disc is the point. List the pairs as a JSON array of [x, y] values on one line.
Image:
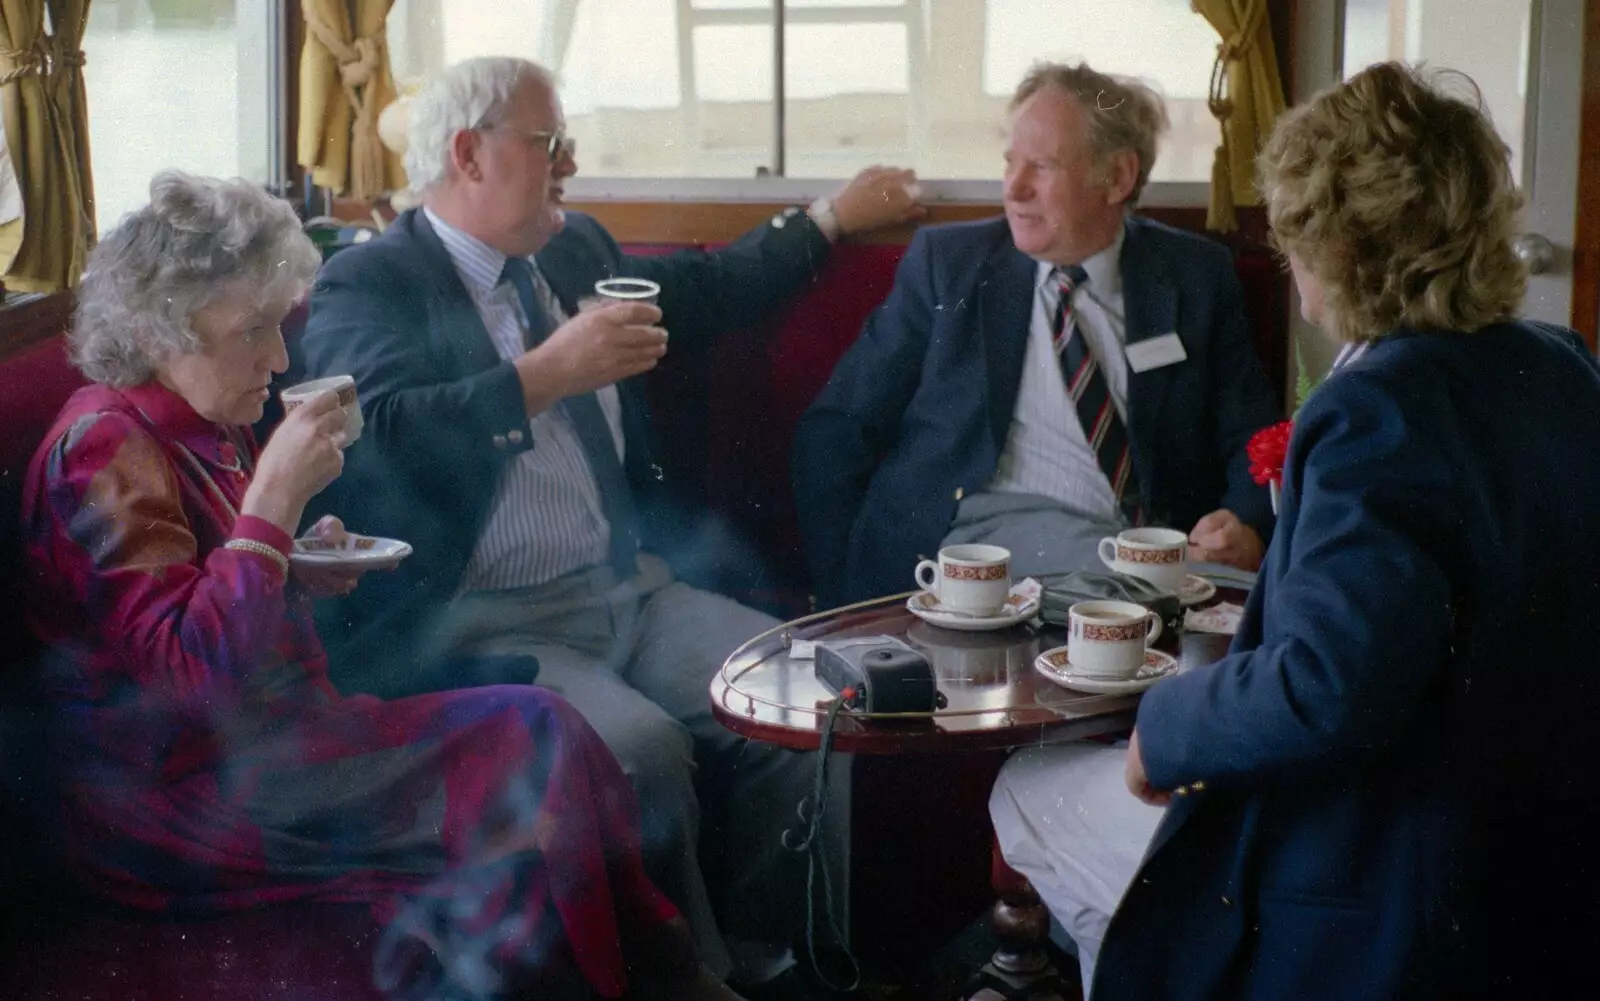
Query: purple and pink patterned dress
[[210, 765]]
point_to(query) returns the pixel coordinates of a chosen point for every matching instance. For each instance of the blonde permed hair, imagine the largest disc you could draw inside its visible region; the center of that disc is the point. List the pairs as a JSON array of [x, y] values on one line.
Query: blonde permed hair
[[1398, 198]]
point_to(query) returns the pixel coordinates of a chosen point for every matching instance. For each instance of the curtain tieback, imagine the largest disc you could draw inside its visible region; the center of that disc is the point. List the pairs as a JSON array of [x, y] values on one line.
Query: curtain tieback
[[362, 64], [358, 59], [64, 58], [31, 61]]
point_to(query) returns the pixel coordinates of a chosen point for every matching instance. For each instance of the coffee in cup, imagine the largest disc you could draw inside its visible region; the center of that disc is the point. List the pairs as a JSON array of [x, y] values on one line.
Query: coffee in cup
[[1158, 555], [342, 386], [973, 578], [1107, 639]]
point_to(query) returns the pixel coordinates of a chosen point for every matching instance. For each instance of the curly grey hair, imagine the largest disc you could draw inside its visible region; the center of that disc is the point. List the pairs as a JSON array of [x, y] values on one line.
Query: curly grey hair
[[471, 93], [197, 239]]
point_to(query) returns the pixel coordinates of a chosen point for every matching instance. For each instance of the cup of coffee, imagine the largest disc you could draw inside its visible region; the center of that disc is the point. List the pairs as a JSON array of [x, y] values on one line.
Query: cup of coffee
[[1107, 639], [342, 386], [974, 579], [1159, 555], [628, 290]]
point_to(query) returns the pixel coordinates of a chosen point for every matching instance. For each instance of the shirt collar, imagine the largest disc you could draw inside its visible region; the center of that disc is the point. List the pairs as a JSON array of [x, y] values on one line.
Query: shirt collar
[[478, 263], [1103, 268], [173, 417], [1349, 353]]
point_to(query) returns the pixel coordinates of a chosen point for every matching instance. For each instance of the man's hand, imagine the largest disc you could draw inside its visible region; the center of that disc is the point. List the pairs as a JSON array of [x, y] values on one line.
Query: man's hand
[[596, 348], [1220, 537], [1133, 774], [876, 197]]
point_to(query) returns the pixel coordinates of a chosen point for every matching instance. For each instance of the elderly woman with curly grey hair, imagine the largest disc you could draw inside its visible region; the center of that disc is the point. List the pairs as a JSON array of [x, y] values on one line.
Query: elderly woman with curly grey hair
[[1382, 790], [208, 764]]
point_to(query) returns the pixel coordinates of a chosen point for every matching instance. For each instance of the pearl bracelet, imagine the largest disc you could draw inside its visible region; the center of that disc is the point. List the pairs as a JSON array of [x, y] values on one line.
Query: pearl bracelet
[[260, 549]]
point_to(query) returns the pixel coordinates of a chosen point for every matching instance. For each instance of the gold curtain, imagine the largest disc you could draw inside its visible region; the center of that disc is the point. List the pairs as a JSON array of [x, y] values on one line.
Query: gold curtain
[[1246, 98], [344, 83], [47, 132]]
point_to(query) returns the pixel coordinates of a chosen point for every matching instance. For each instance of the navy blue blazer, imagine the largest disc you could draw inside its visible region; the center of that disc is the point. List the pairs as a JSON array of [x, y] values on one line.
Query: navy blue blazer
[[917, 412], [444, 414], [1391, 774]]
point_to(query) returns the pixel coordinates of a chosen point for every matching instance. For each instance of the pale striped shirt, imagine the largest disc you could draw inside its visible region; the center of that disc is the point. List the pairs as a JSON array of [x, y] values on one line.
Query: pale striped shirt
[[546, 519], [1046, 451]]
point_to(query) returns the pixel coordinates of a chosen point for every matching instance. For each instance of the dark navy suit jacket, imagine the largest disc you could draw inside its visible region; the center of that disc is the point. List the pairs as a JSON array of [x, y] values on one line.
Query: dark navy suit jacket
[[444, 414], [1391, 784], [916, 414]]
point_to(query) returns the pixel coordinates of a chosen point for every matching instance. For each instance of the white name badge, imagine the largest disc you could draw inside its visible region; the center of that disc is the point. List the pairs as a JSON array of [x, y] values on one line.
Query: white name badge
[[1156, 352]]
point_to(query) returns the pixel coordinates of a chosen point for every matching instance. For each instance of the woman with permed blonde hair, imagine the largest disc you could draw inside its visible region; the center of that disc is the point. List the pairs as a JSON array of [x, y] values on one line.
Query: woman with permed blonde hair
[[1383, 790]]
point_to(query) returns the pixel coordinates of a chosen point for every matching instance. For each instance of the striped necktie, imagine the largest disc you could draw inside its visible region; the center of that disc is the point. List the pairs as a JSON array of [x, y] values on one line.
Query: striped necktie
[[583, 410], [1091, 396]]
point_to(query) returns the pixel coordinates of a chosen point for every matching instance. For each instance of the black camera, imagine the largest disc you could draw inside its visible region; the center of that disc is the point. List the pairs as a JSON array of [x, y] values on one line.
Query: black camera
[[888, 676]]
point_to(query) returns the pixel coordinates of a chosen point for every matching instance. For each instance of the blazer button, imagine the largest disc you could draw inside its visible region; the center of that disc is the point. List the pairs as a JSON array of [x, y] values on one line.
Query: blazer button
[[1181, 791], [514, 436], [1198, 785], [499, 441]]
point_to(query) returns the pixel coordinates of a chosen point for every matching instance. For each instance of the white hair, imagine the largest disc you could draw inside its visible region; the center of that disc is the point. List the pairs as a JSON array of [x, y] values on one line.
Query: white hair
[[198, 238], [470, 93]]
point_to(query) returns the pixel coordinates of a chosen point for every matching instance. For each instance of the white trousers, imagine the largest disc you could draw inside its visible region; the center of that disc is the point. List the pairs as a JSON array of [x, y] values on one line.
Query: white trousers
[[1065, 819]]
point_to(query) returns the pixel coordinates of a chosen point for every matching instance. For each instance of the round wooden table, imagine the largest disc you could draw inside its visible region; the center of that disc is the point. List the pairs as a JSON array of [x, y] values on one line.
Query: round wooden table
[[995, 697], [996, 701]]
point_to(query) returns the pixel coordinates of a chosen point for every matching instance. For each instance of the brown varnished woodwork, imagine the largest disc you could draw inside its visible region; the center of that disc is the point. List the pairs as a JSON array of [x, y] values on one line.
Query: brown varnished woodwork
[[27, 320], [1586, 240], [679, 222], [992, 672], [294, 30]]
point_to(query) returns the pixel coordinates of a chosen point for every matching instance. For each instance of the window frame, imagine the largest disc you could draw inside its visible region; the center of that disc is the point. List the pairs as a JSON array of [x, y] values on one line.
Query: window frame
[[792, 190]]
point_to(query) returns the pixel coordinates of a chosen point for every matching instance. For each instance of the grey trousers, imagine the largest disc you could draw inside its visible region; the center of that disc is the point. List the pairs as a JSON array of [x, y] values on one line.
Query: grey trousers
[[637, 657], [1044, 536]]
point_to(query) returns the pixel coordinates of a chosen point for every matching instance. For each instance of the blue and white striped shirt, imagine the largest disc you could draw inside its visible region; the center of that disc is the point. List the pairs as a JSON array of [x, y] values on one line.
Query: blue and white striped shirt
[[1047, 452], [546, 519]]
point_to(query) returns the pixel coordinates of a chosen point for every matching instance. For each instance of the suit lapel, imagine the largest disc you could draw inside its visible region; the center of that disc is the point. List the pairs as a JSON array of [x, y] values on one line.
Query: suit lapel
[[459, 323], [565, 264], [1150, 305], [1006, 309], [571, 265]]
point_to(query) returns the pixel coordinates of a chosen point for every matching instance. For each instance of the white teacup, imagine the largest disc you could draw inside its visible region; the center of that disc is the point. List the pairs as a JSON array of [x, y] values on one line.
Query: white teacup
[[343, 386], [1159, 555], [628, 290], [1107, 639], [974, 578]]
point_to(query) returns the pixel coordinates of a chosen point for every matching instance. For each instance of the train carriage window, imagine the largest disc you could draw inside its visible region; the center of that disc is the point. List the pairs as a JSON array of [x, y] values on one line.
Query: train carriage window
[[176, 83], [684, 88]]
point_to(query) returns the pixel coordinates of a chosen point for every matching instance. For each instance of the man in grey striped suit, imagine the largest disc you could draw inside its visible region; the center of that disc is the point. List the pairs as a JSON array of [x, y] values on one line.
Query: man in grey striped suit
[[507, 440]]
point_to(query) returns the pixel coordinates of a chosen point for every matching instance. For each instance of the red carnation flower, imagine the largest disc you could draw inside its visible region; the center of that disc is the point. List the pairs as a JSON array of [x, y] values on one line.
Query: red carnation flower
[[1268, 448]]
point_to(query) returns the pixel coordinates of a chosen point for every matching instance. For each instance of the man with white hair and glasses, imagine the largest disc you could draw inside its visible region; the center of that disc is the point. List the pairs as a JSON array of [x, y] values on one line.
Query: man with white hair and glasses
[[507, 439]]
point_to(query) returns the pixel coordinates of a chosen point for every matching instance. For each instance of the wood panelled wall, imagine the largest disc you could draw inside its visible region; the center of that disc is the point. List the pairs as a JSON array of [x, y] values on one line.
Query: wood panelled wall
[[1586, 237]]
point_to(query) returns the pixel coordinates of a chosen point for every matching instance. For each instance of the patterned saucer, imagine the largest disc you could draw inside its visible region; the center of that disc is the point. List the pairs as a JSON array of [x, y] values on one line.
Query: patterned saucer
[[1053, 664], [366, 551], [1018, 608], [1195, 591]]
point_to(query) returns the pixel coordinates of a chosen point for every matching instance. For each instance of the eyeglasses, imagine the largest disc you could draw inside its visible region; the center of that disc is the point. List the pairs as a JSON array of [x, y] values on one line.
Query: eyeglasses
[[555, 142]]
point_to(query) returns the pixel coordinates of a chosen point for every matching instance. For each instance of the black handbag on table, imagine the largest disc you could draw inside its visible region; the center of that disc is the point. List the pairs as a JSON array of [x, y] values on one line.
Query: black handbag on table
[[1063, 590]]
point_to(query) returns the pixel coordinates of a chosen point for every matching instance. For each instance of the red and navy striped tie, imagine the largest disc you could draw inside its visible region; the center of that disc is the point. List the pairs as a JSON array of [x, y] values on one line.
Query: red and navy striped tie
[[1091, 397]]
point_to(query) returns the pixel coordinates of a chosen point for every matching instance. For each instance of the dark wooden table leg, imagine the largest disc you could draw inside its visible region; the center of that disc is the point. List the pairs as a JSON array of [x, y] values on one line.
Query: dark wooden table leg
[[1020, 969]]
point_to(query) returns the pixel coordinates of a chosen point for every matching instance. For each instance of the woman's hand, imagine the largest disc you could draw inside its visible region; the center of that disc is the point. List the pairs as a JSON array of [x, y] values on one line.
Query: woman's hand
[[1138, 782], [326, 581], [302, 457]]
